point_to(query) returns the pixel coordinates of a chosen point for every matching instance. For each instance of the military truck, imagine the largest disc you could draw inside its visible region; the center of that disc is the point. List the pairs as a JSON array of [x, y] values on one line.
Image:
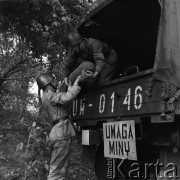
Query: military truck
[[135, 95]]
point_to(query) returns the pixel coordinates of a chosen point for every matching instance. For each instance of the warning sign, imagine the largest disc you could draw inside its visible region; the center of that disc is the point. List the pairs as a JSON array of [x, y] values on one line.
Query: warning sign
[[120, 140]]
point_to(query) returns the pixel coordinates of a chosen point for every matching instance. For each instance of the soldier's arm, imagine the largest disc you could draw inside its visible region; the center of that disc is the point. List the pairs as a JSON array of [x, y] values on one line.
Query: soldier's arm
[[65, 97], [98, 55]]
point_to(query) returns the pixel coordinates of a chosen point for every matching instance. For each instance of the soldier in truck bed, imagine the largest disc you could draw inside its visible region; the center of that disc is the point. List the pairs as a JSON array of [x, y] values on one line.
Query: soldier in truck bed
[[90, 55]]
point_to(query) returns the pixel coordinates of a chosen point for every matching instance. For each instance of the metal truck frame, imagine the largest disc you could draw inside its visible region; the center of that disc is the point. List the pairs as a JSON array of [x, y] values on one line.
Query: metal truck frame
[[134, 95]]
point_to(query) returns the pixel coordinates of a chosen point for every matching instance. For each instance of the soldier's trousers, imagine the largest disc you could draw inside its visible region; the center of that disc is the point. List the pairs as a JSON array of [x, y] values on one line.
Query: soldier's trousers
[[106, 75], [59, 158], [86, 65]]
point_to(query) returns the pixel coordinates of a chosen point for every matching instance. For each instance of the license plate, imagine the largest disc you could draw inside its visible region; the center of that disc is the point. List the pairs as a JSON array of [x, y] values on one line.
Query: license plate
[[120, 140]]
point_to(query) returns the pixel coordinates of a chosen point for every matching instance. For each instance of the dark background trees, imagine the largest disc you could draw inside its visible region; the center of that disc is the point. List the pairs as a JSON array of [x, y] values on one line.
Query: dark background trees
[[32, 40]]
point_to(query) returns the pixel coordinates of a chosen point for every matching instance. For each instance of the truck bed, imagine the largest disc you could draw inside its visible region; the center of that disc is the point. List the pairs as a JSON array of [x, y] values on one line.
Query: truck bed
[[134, 96]]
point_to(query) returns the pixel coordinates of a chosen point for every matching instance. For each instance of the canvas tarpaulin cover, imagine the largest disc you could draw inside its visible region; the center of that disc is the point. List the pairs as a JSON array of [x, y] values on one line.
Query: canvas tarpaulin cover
[[167, 61]]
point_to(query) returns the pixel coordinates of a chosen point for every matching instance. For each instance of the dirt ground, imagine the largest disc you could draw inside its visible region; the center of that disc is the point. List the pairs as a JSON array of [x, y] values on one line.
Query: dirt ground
[[9, 164]]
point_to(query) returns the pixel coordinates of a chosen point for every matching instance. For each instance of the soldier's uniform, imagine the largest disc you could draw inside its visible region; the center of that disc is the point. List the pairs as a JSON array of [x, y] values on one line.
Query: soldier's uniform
[[62, 131], [97, 56]]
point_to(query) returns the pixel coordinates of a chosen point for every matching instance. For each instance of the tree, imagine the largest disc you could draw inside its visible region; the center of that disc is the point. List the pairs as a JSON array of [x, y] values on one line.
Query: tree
[[32, 40]]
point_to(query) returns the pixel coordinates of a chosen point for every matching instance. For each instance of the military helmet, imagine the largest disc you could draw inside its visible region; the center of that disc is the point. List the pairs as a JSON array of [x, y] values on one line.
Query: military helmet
[[44, 79], [73, 38]]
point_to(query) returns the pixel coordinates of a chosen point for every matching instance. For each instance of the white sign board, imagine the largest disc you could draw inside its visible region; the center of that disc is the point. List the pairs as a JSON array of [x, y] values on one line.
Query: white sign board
[[120, 140]]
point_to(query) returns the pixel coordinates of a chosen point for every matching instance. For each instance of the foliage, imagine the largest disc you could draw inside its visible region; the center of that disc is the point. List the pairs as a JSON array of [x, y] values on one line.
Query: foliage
[[32, 40]]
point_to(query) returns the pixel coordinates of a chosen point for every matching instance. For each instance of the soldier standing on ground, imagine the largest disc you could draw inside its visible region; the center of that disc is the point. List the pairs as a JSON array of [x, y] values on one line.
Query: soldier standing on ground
[[62, 131]]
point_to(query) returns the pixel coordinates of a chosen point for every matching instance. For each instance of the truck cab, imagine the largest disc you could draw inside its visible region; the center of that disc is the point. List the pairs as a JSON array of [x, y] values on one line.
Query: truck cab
[[131, 28]]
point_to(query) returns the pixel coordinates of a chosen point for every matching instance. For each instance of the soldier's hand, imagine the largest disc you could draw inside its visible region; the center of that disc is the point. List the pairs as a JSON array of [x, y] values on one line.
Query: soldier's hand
[[69, 86], [67, 82], [79, 79], [59, 86], [87, 74]]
